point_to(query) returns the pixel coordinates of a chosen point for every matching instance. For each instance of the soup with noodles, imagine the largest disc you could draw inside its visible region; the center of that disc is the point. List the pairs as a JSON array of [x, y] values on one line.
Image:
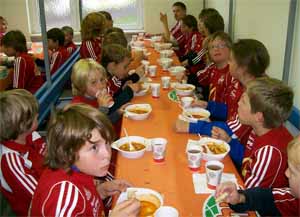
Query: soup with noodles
[[137, 146], [138, 111], [215, 148]]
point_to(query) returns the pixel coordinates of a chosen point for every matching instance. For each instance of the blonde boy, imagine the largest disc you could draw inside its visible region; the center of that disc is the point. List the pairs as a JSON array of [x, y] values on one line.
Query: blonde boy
[[270, 202]]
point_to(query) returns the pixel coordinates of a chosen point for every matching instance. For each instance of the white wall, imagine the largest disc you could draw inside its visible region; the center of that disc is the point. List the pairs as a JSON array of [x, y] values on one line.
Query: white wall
[[266, 21], [294, 80]]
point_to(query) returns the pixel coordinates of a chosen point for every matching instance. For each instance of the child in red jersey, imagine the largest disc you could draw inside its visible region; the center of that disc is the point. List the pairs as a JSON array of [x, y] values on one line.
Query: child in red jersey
[[3, 28], [69, 44], [79, 149], [21, 148], [92, 28], [26, 73], [56, 40], [267, 201]]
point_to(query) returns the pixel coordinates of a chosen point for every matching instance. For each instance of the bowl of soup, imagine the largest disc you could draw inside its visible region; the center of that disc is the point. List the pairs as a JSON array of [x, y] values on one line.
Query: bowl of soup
[[184, 89], [138, 111], [139, 146], [194, 114], [213, 149], [176, 70], [166, 53]]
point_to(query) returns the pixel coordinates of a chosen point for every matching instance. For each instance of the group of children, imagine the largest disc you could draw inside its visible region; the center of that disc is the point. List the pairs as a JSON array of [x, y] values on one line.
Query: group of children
[[247, 108]]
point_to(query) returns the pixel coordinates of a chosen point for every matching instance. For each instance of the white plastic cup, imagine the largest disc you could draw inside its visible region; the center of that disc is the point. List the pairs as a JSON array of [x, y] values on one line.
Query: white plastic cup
[[159, 149], [106, 92], [165, 80], [214, 170], [194, 159], [166, 211], [186, 101], [155, 88], [146, 65], [141, 35], [152, 70], [134, 37]]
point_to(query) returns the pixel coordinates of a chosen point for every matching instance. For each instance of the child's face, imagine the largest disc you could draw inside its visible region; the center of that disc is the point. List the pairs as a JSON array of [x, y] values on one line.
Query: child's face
[[3, 26], [293, 174], [218, 51], [52, 45], [9, 51], [184, 28], [96, 81], [202, 29], [94, 156], [178, 12], [68, 38], [121, 69], [244, 110], [235, 70]]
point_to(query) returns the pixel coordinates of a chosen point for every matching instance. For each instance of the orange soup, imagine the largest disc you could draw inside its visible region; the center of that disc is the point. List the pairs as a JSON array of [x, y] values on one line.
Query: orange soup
[[137, 146], [147, 208], [198, 116], [184, 88], [138, 111]]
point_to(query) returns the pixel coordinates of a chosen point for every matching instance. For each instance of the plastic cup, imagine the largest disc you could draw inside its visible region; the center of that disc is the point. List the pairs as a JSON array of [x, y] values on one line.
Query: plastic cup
[[155, 88], [152, 70], [166, 211], [145, 64], [165, 80], [159, 149], [106, 92], [186, 101], [134, 37], [214, 170], [194, 159]]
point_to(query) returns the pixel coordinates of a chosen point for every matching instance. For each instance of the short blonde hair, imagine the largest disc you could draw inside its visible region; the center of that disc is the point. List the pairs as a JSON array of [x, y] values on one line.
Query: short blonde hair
[[271, 97], [18, 109], [80, 75], [92, 26], [69, 129], [293, 151]]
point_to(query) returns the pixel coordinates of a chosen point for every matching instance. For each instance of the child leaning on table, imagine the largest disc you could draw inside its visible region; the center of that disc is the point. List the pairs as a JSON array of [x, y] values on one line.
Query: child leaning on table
[[268, 201], [79, 138], [21, 148]]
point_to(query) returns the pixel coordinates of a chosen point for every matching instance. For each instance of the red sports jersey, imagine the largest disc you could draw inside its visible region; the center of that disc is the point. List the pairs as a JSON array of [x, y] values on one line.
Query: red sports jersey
[[114, 84], [26, 73], [285, 202], [85, 100], [58, 58], [179, 37], [61, 194], [91, 49], [265, 161], [71, 47], [21, 167]]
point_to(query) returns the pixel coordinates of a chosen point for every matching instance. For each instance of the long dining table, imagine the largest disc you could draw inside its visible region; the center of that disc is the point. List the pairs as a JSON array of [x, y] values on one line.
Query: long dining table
[[172, 178]]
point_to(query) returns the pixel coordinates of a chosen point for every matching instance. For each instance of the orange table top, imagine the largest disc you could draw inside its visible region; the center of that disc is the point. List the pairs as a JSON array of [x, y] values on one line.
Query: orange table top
[[172, 179]]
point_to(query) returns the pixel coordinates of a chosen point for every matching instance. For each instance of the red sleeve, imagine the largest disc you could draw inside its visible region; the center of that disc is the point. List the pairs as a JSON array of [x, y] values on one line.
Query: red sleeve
[[196, 45], [285, 202], [56, 59], [204, 76], [38, 143], [19, 73], [233, 92], [264, 168], [64, 199], [87, 50]]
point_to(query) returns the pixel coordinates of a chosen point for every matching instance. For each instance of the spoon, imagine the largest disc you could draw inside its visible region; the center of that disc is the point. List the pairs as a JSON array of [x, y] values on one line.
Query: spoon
[[131, 147]]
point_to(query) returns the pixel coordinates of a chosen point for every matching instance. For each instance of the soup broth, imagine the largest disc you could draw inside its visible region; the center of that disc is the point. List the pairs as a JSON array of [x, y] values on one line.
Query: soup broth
[[137, 146], [138, 111], [147, 209]]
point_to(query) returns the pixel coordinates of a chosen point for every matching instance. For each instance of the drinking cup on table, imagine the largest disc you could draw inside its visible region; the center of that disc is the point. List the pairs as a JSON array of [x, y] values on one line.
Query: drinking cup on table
[[155, 88], [141, 35], [146, 65], [159, 149], [214, 170], [134, 37], [165, 80], [194, 159], [152, 70], [186, 101], [166, 211]]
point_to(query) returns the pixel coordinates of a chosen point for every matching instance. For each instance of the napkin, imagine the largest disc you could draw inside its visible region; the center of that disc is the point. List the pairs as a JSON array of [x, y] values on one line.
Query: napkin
[[200, 186]]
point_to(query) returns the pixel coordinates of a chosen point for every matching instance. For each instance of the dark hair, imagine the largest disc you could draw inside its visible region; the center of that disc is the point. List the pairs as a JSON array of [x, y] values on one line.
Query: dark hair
[[114, 53], [18, 109], [56, 35], [180, 4], [69, 129], [190, 21], [68, 29], [114, 29], [214, 23], [115, 38], [253, 55], [106, 14], [206, 12], [15, 39]]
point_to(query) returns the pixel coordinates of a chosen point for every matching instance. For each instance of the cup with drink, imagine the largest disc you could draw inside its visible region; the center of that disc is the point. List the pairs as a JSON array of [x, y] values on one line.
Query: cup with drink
[[214, 170], [165, 80], [159, 149], [194, 159], [155, 89]]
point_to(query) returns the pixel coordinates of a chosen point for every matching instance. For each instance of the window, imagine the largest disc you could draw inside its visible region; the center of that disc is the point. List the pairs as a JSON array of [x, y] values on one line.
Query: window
[[127, 14]]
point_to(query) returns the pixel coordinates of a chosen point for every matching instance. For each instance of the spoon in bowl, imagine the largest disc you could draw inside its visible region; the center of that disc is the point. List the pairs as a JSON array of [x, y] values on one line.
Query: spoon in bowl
[[131, 147]]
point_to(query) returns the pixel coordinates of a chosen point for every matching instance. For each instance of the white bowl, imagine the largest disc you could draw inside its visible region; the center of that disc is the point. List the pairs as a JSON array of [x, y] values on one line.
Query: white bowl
[[184, 89], [130, 113], [176, 69], [156, 38], [138, 44], [209, 155], [130, 154], [189, 113], [165, 62], [166, 53], [145, 89], [165, 46]]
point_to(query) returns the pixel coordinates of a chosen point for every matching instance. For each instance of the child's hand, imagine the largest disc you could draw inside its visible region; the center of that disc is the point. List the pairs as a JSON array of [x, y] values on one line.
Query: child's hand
[[107, 189], [181, 126], [219, 133], [104, 99], [140, 71], [127, 83], [233, 196], [128, 208], [185, 63], [181, 76], [200, 103], [121, 110], [136, 87], [163, 18]]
